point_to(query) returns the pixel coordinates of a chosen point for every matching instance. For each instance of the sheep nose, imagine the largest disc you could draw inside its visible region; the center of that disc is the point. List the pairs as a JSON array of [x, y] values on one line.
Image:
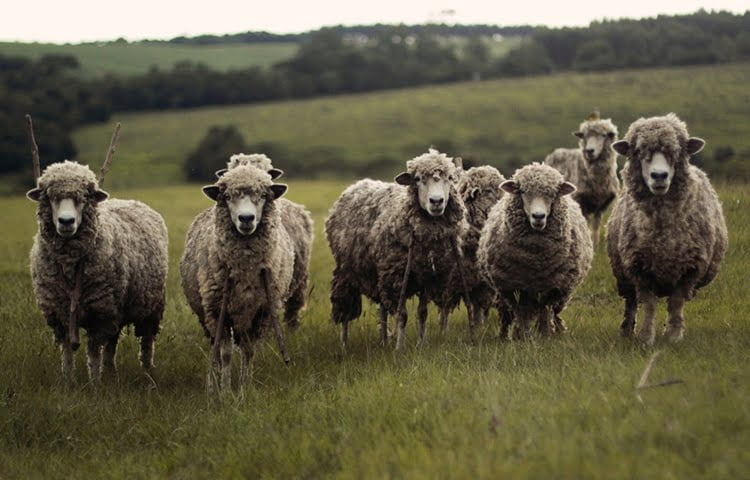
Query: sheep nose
[[67, 221], [436, 201], [590, 151], [659, 176], [246, 218], [538, 216]]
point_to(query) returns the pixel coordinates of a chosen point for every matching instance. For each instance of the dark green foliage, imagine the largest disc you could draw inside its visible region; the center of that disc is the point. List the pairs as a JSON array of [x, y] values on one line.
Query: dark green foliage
[[213, 152]]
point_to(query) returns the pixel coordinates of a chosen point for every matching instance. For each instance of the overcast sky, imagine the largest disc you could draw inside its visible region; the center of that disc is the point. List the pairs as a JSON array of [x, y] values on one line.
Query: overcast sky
[[86, 20]]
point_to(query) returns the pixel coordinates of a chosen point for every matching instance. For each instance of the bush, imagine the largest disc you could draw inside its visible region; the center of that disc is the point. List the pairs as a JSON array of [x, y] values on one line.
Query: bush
[[213, 152]]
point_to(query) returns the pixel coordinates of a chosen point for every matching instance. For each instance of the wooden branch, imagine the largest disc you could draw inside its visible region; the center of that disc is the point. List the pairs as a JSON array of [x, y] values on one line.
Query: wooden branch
[[110, 154], [75, 300], [265, 276], [405, 281], [219, 331], [34, 149], [666, 383], [647, 370]]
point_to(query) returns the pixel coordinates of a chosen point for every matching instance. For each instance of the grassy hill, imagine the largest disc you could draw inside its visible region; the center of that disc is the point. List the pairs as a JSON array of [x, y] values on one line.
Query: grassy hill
[[560, 408], [135, 58], [505, 122]]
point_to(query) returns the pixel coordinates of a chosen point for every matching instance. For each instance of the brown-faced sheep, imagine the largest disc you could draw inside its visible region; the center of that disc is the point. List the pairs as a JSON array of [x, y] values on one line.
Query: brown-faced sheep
[[666, 236], [120, 249], [298, 223], [239, 258], [535, 247], [382, 234], [480, 190], [592, 168]]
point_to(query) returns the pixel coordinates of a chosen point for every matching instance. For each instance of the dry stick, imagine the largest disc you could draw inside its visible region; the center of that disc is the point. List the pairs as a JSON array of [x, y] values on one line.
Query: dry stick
[[274, 318], [647, 370], [215, 349], [469, 308], [110, 154], [75, 298], [405, 281], [666, 383], [34, 148]]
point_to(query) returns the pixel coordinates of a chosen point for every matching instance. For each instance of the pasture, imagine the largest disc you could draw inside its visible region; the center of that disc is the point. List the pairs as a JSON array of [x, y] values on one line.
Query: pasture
[[556, 408]]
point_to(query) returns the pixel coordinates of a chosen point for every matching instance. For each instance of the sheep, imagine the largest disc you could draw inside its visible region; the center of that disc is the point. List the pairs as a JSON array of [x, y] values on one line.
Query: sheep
[[666, 236], [480, 190], [392, 241], [113, 253], [535, 247], [298, 223], [237, 266], [592, 168]]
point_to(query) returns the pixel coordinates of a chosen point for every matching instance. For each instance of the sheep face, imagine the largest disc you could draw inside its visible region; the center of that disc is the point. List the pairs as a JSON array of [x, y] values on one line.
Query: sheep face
[[246, 211], [432, 176], [595, 137], [538, 187]]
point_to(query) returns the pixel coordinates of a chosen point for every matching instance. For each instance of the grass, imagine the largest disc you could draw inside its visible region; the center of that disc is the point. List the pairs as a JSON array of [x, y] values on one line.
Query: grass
[[506, 123], [562, 408], [135, 58]]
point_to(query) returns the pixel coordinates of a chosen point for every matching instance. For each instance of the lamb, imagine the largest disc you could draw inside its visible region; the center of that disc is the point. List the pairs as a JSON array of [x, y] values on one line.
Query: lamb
[[480, 190], [298, 223], [237, 267], [392, 241], [535, 248], [666, 236], [592, 168], [97, 263]]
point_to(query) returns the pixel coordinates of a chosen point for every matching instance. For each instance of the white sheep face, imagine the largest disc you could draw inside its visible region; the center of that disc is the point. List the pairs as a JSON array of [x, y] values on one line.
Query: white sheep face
[[536, 206], [67, 214], [434, 193], [657, 173], [246, 211]]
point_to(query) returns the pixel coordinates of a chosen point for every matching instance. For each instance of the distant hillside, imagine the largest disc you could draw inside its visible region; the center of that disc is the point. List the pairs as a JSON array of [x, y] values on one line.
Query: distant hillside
[[122, 58]]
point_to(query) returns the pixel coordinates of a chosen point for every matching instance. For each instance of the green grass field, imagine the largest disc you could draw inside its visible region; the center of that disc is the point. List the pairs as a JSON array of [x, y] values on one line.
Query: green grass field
[[506, 123], [135, 58], [558, 408]]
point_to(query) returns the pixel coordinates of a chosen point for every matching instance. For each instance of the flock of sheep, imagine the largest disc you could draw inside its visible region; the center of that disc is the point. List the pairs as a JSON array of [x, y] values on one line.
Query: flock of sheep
[[520, 245]]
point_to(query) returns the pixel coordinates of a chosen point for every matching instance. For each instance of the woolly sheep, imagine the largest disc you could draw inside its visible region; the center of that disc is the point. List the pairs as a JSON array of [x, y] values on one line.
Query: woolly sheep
[[373, 226], [121, 247], [666, 236], [535, 248], [298, 223], [592, 168], [480, 190], [241, 242]]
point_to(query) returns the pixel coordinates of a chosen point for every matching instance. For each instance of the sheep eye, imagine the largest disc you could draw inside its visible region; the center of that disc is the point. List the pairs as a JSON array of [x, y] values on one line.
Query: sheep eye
[[417, 179]]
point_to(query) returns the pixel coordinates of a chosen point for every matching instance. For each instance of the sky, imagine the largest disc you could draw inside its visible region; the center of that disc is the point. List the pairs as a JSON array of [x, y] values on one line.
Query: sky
[[73, 21]]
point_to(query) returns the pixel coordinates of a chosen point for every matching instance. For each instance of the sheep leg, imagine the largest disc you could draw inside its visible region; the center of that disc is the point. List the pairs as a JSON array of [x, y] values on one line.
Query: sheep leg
[[401, 318], [422, 317], [401, 315], [544, 321], [247, 348], [94, 361], [109, 363], [147, 351], [506, 320], [647, 333], [383, 325], [344, 333], [596, 220], [675, 328], [226, 362], [524, 320], [627, 327], [559, 323], [272, 309], [67, 359], [443, 321]]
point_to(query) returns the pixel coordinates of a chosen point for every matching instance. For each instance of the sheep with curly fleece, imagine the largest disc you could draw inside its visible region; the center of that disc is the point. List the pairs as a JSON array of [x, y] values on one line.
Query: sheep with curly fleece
[[392, 241], [480, 190], [298, 223], [113, 253], [237, 265], [535, 247], [666, 236], [592, 168]]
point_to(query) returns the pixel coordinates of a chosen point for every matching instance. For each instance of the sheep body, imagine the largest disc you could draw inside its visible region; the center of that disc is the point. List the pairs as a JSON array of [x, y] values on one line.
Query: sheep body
[[123, 248], [535, 270], [666, 245], [369, 230]]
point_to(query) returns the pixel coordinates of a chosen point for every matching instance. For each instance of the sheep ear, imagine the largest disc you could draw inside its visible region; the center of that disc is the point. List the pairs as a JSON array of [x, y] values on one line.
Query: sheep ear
[[34, 194], [510, 186], [404, 178], [621, 147], [212, 192], [100, 195], [458, 162], [221, 172], [577, 134], [695, 145], [275, 173], [473, 193], [566, 188], [278, 190]]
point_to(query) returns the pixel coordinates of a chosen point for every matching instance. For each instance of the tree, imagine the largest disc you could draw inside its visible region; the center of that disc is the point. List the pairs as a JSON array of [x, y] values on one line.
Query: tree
[[213, 152]]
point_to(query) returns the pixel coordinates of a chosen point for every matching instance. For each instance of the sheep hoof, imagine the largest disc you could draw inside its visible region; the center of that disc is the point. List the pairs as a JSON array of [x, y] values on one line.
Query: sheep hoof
[[647, 337], [674, 334]]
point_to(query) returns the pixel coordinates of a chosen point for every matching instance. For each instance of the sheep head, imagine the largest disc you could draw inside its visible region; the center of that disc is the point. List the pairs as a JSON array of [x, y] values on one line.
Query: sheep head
[[65, 192], [538, 188], [596, 136], [431, 177], [244, 194], [258, 160]]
